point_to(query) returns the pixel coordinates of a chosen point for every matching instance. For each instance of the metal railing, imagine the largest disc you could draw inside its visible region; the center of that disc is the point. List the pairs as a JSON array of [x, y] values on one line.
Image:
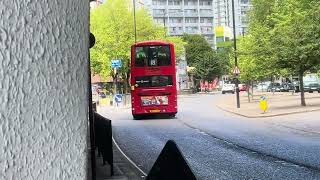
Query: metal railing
[[103, 139]]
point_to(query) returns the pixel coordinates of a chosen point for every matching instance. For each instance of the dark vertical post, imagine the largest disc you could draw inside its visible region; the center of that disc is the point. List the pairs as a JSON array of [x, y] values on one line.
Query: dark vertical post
[[91, 120], [164, 23], [235, 53], [134, 21]]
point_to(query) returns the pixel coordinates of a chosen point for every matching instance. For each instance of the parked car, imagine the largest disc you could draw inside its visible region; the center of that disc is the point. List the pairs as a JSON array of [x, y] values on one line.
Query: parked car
[[228, 88], [263, 85], [275, 87], [310, 86], [286, 86]]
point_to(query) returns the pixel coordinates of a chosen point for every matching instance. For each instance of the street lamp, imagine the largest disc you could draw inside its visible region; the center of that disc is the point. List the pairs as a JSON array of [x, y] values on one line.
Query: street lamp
[[235, 53], [134, 21]]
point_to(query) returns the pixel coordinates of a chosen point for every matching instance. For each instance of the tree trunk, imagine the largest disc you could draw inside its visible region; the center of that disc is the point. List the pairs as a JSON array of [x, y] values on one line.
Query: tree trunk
[[248, 90], [303, 101], [272, 79], [252, 90]]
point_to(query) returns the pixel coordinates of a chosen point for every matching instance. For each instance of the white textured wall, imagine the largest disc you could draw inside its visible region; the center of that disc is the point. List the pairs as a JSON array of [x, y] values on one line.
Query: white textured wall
[[43, 76]]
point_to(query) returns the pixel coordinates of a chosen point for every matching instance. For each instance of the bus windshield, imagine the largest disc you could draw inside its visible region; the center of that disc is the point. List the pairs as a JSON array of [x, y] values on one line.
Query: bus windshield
[[152, 56]]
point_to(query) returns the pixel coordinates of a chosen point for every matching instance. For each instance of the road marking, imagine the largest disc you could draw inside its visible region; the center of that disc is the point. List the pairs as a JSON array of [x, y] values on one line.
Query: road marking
[[289, 162], [134, 164]]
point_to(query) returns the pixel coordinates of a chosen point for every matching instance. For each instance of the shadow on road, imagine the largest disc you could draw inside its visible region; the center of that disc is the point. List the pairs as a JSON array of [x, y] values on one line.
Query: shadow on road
[[155, 116]]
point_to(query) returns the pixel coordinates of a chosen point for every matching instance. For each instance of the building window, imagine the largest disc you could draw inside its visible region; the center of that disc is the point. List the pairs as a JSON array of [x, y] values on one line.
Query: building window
[[191, 20], [159, 2], [206, 20], [205, 3], [191, 29], [158, 12], [174, 2], [159, 20], [176, 20], [191, 3], [245, 1], [219, 39]]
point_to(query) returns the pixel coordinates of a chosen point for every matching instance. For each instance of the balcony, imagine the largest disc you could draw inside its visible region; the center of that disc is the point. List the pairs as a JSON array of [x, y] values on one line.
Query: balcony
[[191, 24], [207, 32], [175, 33], [159, 14], [175, 24], [207, 24], [189, 14], [175, 14], [175, 6], [206, 14]]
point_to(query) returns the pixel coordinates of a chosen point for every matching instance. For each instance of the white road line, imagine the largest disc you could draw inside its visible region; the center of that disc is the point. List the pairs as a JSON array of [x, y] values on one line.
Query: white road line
[[134, 164]]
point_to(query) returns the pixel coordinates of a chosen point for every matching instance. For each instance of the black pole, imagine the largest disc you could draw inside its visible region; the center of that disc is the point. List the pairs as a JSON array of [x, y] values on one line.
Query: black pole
[[134, 20], [164, 23], [91, 123], [235, 53]]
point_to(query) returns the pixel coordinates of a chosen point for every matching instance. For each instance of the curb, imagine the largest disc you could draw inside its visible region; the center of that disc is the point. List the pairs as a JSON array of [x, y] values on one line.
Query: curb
[[266, 116], [128, 159]]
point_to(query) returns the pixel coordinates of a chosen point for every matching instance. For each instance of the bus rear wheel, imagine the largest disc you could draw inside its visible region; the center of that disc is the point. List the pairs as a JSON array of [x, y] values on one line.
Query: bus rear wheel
[[137, 117], [172, 115]]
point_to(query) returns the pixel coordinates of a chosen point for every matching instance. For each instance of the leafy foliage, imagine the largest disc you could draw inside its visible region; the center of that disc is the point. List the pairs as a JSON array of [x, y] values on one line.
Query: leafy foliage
[[196, 45], [283, 39], [207, 62], [112, 23]]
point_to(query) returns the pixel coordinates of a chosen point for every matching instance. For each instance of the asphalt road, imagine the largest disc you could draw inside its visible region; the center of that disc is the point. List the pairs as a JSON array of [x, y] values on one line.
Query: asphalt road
[[219, 145]]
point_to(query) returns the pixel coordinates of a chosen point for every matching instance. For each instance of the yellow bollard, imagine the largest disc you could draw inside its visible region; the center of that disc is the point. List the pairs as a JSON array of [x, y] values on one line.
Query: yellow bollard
[[263, 103]]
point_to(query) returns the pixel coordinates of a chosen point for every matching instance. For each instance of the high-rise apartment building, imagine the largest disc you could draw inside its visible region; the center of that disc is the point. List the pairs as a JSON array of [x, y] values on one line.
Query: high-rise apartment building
[[198, 16], [223, 14], [184, 16]]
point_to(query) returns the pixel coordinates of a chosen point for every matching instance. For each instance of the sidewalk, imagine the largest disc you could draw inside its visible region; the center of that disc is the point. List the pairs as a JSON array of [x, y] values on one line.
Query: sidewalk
[[284, 110], [123, 168], [279, 103]]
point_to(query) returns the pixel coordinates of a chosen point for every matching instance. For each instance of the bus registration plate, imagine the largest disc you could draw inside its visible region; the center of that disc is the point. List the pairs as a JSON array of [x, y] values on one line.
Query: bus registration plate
[[155, 111], [154, 100]]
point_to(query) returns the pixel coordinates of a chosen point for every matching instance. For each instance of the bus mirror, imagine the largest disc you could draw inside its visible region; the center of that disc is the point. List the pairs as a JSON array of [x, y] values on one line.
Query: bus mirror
[[136, 85]]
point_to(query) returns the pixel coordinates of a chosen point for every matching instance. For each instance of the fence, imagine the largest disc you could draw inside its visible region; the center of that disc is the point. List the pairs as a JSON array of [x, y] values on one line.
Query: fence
[[103, 139]]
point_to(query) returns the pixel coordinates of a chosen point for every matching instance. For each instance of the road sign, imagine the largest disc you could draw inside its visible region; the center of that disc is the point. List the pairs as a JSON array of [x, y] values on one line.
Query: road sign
[[236, 71], [116, 63], [118, 98]]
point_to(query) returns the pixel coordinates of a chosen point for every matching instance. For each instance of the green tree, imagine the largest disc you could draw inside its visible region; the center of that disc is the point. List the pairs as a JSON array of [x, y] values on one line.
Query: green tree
[[208, 66], [208, 63], [296, 37], [112, 25], [196, 46], [283, 39]]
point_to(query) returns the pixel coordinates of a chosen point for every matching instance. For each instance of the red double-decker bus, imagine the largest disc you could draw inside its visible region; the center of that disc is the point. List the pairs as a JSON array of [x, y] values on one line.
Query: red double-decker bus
[[153, 79]]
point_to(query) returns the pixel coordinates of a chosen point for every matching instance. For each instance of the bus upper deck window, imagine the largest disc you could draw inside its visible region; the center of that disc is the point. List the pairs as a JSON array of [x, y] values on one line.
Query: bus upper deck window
[[152, 56]]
